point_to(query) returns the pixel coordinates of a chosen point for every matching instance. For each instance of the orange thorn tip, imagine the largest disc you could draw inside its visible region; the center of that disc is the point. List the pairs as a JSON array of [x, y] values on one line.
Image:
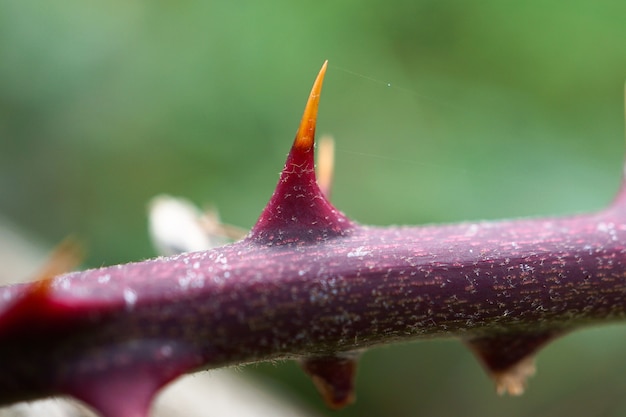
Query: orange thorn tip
[[66, 256], [305, 137]]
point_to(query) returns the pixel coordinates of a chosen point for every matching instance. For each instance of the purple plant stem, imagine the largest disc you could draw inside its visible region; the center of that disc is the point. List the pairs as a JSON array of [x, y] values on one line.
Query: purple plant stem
[[309, 283], [248, 302]]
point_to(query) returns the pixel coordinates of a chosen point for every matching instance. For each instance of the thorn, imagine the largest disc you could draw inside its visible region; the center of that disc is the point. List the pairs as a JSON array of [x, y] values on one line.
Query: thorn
[[333, 377], [624, 178], [64, 257], [121, 379], [113, 396], [510, 359], [513, 380], [306, 132], [619, 201], [325, 164], [298, 211], [26, 313], [213, 226]]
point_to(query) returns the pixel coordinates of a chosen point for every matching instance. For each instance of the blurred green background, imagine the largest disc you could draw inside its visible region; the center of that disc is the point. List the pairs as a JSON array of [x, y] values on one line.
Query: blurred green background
[[442, 111]]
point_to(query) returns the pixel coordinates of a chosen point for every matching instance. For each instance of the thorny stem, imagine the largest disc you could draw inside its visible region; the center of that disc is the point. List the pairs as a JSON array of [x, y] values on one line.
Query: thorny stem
[[308, 283]]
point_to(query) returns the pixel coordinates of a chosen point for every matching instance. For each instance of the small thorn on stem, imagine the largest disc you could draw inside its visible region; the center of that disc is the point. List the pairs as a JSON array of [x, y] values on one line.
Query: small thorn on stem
[[325, 164], [513, 380], [66, 256], [333, 377], [619, 202], [299, 211], [509, 359], [28, 311]]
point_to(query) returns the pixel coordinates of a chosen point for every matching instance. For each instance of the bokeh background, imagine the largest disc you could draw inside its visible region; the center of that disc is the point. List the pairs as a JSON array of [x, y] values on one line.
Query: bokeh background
[[442, 111]]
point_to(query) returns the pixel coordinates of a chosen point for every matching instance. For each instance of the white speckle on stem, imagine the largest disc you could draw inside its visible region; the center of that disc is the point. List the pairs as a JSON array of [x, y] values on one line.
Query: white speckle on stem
[[166, 351], [359, 252], [103, 279], [471, 230], [65, 283], [130, 298], [221, 259]]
